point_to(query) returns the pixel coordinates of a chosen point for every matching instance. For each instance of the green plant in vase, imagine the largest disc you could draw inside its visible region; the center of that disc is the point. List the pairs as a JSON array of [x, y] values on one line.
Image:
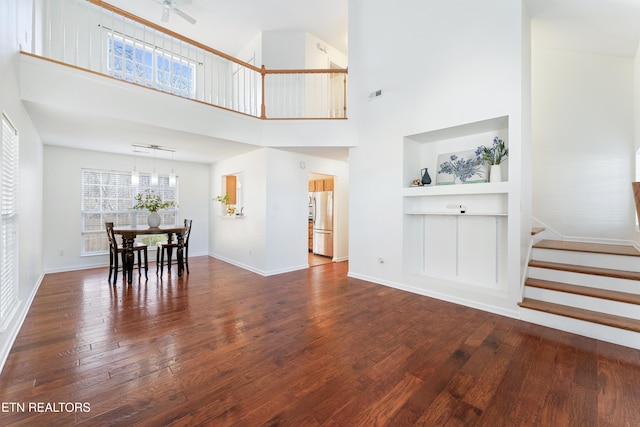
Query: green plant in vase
[[152, 202], [225, 199], [494, 156]]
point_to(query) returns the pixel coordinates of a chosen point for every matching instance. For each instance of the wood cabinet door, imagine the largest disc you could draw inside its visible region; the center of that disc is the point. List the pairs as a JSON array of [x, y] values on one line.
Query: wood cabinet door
[[231, 189], [328, 184]]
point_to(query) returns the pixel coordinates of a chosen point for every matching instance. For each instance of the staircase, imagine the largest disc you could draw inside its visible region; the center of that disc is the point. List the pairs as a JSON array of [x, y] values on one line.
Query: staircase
[[585, 288]]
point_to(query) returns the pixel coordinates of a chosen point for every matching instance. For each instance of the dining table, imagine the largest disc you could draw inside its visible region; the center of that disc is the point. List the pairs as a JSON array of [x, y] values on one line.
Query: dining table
[[129, 234]]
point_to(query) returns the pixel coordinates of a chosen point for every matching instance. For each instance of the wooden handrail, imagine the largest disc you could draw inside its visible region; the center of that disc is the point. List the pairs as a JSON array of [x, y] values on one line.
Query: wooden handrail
[[178, 36], [247, 66], [311, 71], [97, 73]]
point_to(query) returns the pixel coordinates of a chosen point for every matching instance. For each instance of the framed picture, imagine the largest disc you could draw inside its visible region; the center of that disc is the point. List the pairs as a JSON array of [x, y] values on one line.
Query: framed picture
[[462, 167]]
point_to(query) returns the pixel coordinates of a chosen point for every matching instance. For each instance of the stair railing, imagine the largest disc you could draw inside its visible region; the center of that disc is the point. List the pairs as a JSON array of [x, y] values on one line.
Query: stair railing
[[96, 36]]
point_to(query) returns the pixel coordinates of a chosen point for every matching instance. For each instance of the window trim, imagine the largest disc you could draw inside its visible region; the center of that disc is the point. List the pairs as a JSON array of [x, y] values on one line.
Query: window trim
[[9, 223], [186, 90], [92, 220]]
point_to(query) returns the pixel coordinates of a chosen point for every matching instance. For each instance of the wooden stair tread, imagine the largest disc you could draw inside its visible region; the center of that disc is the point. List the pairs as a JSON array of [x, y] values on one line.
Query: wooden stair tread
[[536, 230], [597, 271], [598, 248], [582, 314], [625, 297]]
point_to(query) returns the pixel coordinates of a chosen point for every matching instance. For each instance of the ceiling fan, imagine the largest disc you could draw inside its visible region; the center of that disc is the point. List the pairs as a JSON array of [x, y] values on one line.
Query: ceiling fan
[[172, 5]]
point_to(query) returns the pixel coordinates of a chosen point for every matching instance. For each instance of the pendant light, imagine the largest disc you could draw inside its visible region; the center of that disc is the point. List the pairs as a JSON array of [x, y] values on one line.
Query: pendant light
[[154, 175], [172, 175], [135, 176]]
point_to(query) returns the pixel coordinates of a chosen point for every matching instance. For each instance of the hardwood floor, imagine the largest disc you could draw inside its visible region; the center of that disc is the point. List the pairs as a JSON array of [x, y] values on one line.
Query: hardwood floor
[[223, 346], [318, 259]]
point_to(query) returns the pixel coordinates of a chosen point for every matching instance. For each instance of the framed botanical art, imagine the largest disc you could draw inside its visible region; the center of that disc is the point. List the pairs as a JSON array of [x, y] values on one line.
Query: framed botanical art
[[462, 167]]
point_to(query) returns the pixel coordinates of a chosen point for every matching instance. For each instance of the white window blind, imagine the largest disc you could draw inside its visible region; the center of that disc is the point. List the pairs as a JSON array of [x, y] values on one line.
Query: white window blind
[[8, 223], [109, 196]]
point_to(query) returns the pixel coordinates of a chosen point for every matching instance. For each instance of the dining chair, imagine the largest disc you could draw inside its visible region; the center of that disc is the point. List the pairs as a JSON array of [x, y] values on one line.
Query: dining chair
[[116, 251], [166, 247]]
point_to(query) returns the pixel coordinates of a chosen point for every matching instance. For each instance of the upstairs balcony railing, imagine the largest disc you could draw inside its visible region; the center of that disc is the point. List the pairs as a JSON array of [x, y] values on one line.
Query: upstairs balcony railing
[[96, 36]]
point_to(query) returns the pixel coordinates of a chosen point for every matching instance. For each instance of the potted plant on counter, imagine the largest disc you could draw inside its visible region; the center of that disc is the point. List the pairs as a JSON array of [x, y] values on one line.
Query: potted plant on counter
[[225, 199]]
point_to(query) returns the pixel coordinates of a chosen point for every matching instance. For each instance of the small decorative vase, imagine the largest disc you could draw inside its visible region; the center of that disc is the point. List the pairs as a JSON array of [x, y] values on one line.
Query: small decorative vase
[[426, 179], [495, 174], [153, 219]]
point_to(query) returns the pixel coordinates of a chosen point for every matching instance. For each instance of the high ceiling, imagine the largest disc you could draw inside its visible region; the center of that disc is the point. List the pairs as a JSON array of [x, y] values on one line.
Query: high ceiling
[[229, 25], [598, 26], [609, 27]]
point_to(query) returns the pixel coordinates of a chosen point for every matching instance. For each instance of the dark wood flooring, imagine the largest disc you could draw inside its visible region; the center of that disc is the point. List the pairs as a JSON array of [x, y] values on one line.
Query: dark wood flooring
[[223, 346]]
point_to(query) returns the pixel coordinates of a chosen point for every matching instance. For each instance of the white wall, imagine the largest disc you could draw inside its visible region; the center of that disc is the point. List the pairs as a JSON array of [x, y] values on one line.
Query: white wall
[[272, 237], [316, 58], [62, 201], [15, 31], [283, 50], [583, 144], [296, 49], [240, 241], [438, 64]]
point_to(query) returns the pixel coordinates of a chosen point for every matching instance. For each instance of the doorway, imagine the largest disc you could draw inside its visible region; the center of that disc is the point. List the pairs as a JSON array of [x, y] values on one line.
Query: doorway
[[321, 219]]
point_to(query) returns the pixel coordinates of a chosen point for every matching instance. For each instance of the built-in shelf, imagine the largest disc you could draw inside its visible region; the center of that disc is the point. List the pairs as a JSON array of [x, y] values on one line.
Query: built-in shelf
[[440, 241], [443, 190], [458, 213]]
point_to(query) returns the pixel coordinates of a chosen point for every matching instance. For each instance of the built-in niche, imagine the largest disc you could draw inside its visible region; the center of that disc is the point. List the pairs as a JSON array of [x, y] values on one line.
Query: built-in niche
[[455, 232], [232, 188]]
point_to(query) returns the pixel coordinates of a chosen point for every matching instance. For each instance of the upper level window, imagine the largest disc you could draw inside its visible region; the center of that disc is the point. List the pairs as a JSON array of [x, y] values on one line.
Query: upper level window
[[133, 61]]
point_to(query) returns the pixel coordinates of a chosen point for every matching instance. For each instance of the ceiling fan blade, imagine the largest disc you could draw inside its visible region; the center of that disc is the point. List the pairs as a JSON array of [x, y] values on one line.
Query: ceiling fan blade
[[183, 15]]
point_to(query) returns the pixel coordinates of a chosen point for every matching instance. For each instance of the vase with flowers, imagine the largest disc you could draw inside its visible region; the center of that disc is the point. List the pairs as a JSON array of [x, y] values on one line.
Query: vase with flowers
[[494, 156], [152, 202], [225, 200]]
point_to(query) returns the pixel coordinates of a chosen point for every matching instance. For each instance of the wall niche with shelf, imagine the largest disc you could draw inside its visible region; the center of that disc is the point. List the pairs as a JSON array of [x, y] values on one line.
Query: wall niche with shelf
[[455, 232], [422, 150]]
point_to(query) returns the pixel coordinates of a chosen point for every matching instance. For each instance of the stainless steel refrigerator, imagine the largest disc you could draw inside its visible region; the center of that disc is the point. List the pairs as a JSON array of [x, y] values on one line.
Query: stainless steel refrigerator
[[322, 215]]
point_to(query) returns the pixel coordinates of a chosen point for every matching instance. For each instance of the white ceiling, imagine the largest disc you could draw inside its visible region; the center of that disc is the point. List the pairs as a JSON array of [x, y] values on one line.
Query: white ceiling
[[229, 25], [598, 26]]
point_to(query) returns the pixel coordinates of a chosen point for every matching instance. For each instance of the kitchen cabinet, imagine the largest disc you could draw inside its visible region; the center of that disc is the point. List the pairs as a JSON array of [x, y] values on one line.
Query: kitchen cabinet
[[231, 189], [321, 185], [328, 184]]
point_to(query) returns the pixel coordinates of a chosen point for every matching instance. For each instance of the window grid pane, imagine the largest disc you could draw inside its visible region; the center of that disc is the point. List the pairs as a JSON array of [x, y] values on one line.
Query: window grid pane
[[108, 196], [133, 61]]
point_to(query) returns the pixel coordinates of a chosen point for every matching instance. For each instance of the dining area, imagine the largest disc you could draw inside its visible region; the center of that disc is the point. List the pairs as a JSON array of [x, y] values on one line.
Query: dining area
[[127, 255]]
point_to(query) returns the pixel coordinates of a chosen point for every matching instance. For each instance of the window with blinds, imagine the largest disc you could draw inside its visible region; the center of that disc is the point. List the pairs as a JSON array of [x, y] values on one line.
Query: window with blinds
[[8, 223], [110, 196]]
